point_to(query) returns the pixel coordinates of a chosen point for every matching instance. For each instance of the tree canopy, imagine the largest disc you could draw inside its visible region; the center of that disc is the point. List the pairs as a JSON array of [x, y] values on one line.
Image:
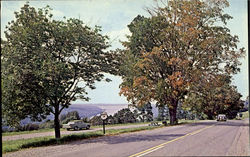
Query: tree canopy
[[44, 60], [170, 51]]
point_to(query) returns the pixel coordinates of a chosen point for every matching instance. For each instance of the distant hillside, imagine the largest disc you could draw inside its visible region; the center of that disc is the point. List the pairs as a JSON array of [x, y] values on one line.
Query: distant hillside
[[90, 110], [84, 110]]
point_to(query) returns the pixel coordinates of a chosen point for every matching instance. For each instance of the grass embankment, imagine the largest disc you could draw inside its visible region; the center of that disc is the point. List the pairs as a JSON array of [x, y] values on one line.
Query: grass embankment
[[245, 115], [98, 126], [51, 130], [11, 146], [27, 132]]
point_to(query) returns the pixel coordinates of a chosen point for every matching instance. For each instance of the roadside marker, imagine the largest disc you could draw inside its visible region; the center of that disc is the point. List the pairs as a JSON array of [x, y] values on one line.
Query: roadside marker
[[150, 150]]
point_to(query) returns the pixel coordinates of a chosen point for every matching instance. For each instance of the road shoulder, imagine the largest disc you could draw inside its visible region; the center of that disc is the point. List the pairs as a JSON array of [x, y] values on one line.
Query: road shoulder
[[240, 146]]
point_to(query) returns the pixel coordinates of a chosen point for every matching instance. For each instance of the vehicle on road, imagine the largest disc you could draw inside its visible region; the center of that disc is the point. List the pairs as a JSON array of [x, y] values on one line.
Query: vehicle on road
[[221, 117], [76, 125]]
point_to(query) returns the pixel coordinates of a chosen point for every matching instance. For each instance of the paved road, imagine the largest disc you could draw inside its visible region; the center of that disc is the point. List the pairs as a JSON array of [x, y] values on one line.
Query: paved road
[[209, 138], [52, 133]]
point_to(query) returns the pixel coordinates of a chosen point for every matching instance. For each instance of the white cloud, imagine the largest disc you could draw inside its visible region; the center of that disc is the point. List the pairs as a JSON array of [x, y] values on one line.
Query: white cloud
[[118, 35]]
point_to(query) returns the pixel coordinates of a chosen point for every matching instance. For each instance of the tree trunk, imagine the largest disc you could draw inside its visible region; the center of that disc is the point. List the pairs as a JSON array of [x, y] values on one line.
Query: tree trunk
[[172, 113], [57, 123]]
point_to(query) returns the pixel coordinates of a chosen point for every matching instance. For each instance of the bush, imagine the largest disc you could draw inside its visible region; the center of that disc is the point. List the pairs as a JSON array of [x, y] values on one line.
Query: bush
[[124, 116], [65, 118], [96, 120], [47, 125], [28, 127]]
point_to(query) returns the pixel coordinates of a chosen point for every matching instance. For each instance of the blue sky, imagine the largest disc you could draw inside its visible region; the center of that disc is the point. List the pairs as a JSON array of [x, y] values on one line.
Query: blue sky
[[114, 16]]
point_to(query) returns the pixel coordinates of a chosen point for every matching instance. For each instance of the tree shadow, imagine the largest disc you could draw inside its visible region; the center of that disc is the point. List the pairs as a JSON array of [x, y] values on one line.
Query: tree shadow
[[225, 123], [117, 139]]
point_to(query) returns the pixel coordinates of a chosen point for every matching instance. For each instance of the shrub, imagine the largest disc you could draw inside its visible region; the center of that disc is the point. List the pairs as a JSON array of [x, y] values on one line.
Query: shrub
[[96, 120], [28, 127], [47, 125], [65, 118]]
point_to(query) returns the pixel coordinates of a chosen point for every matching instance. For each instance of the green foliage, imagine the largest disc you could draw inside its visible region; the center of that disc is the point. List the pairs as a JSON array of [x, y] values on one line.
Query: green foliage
[[174, 49], [96, 120], [65, 118], [213, 96], [28, 127], [121, 117], [43, 60], [145, 112], [124, 116], [47, 125]]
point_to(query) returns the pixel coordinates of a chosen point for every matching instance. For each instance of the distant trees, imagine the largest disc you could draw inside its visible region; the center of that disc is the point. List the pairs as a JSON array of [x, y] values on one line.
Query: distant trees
[[124, 116], [65, 118], [175, 48], [145, 112], [43, 61], [96, 120], [213, 96], [246, 103], [162, 113], [120, 117]]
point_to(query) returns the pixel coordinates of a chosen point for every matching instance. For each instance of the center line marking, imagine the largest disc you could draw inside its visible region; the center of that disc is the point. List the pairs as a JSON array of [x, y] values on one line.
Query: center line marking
[[150, 150]]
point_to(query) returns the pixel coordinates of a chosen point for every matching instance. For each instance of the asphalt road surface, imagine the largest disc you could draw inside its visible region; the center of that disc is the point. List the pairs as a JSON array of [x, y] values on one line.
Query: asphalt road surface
[[208, 138]]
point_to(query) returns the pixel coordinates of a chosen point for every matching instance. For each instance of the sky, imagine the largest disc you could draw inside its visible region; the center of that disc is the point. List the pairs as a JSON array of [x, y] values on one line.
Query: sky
[[114, 16]]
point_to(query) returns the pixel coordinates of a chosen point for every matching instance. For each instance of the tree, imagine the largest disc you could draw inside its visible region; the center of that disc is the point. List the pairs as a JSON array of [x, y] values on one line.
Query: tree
[[161, 113], [43, 62], [174, 48], [145, 111], [246, 103], [65, 118], [214, 96], [124, 116], [96, 120]]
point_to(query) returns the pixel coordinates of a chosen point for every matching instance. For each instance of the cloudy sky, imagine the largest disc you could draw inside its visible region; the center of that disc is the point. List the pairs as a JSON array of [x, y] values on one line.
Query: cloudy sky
[[114, 16]]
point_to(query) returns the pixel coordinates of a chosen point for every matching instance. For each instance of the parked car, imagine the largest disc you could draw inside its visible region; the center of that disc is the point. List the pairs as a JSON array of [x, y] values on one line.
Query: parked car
[[221, 117], [76, 125]]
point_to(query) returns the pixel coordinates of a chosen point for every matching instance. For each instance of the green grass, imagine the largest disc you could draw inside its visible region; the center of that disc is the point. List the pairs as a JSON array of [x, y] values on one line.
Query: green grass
[[27, 132], [50, 130], [15, 145], [245, 115], [98, 126], [10, 146]]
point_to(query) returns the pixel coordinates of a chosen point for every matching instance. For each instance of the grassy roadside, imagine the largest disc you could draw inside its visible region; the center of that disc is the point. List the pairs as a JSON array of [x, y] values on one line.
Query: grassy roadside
[[98, 126], [51, 130], [245, 115], [26, 132], [11, 146], [15, 145]]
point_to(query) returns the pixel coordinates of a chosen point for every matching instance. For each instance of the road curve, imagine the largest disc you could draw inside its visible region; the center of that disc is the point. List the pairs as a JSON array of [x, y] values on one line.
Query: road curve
[[208, 138]]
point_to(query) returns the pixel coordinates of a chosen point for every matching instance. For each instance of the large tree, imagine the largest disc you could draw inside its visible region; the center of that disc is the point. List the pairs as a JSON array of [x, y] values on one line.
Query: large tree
[[213, 96], [172, 49], [43, 62]]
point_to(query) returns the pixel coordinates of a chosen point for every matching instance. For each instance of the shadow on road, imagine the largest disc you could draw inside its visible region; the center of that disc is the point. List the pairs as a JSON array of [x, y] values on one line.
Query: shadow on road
[[163, 136], [226, 123], [127, 139]]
